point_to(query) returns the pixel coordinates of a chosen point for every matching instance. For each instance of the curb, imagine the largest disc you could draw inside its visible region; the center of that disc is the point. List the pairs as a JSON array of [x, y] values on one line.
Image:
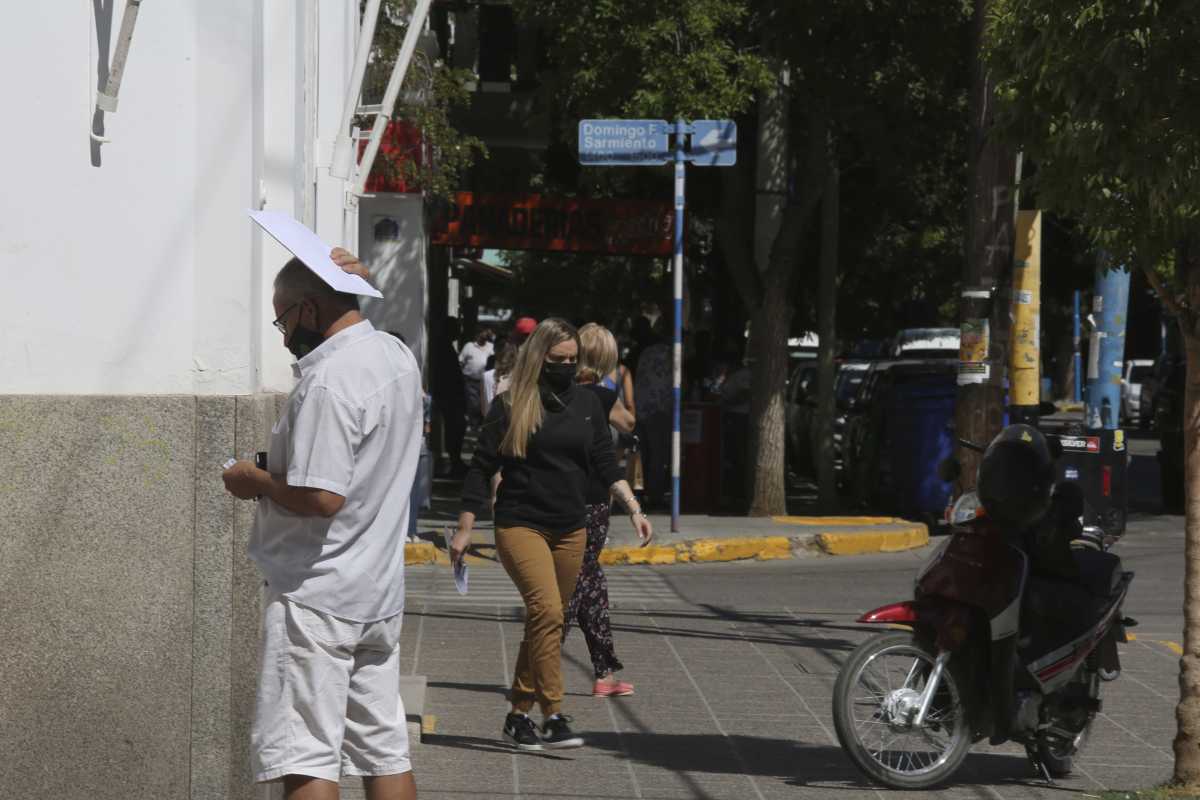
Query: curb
[[843, 536]]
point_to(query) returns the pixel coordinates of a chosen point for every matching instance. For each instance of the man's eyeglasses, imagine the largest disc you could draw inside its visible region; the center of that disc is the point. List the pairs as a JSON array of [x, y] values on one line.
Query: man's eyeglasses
[[279, 324]]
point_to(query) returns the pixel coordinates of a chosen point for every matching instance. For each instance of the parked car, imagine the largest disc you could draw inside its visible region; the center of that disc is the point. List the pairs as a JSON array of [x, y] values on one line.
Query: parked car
[[799, 412], [849, 381], [802, 397], [1136, 372], [868, 468], [926, 343], [1168, 421]]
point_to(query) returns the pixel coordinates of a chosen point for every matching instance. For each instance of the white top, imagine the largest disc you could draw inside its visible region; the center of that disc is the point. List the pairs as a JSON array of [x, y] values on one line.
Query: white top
[[473, 359], [488, 391], [352, 426]]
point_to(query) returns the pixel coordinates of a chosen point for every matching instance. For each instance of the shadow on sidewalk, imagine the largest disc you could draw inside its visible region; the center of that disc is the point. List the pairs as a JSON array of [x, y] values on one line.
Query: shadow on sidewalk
[[481, 745], [483, 688], [678, 631], [798, 763]]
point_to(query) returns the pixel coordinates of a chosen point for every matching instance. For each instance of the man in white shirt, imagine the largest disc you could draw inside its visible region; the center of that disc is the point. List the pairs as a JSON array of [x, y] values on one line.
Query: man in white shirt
[[329, 539], [473, 359]]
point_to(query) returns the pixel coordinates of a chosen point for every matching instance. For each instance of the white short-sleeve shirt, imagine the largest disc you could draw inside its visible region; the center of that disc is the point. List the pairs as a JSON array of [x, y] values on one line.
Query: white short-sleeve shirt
[[352, 426]]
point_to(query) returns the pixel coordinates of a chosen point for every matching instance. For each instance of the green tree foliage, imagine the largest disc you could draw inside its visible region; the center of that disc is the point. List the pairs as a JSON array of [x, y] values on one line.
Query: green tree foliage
[[651, 59], [1105, 98]]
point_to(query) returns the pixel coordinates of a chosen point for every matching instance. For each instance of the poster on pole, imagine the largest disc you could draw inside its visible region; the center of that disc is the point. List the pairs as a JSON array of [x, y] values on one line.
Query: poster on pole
[[973, 364]]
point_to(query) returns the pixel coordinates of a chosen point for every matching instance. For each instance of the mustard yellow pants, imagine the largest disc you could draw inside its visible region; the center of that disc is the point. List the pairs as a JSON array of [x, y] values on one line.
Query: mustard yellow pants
[[544, 568]]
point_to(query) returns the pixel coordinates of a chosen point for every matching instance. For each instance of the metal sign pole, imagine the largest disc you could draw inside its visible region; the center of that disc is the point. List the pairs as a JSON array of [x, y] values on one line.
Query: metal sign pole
[[629, 142], [677, 354]]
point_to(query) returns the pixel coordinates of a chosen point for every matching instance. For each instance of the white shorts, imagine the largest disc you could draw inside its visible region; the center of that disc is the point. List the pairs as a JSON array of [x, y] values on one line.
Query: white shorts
[[328, 696]]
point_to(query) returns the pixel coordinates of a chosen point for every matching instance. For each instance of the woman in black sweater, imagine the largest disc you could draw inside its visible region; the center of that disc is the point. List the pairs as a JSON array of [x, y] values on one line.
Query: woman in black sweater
[[546, 439]]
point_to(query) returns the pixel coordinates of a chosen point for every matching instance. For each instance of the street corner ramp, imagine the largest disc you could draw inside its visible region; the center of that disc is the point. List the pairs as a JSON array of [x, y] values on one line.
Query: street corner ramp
[[853, 536]]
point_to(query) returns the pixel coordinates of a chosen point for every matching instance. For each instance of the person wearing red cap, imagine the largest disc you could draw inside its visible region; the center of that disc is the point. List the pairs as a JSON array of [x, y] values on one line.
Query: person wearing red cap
[[522, 328]]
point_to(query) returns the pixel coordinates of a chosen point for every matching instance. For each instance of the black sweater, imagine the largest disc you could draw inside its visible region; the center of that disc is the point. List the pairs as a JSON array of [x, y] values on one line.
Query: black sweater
[[547, 489]]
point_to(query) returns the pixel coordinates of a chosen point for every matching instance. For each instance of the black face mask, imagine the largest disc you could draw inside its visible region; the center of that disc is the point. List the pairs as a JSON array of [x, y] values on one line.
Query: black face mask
[[303, 341], [557, 378]]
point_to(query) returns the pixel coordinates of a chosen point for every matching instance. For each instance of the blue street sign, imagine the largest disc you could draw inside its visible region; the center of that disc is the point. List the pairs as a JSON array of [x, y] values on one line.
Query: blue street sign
[[623, 141], [714, 143]]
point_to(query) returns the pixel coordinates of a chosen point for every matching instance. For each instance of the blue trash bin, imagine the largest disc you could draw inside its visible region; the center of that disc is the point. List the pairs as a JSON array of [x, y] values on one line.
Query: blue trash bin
[[919, 412]]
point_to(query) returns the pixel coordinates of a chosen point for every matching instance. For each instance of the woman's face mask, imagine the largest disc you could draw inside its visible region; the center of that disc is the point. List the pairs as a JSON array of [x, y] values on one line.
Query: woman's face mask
[[557, 376]]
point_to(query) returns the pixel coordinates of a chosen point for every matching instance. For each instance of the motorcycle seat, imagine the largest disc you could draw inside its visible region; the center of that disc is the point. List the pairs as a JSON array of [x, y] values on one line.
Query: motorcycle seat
[[1099, 572]]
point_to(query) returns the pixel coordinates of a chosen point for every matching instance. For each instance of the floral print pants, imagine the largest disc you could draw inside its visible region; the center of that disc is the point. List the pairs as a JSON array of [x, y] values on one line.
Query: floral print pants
[[589, 603]]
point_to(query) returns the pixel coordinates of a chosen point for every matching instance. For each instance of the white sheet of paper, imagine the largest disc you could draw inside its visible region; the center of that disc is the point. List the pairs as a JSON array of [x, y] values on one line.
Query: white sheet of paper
[[308, 247], [460, 576]]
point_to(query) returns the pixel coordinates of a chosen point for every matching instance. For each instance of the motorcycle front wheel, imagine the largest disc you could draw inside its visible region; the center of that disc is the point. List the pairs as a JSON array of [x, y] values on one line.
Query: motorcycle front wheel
[[875, 701]]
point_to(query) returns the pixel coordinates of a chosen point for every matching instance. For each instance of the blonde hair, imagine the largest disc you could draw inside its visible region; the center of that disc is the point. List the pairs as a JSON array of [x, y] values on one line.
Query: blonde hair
[[524, 397], [597, 353]]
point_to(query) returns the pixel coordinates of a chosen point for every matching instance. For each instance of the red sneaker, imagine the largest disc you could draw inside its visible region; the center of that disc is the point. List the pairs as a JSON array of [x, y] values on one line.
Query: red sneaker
[[613, 688]]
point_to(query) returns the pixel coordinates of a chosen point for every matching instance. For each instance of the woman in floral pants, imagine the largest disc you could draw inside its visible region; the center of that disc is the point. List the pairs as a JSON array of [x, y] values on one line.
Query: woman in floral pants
[[589, 603]]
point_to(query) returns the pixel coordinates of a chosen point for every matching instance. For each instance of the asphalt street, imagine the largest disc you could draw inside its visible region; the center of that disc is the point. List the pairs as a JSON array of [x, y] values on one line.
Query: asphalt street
[[734, 666]]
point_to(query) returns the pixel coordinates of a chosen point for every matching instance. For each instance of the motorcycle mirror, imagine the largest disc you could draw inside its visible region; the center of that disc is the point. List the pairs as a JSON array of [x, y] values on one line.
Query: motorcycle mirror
[[949, 469]]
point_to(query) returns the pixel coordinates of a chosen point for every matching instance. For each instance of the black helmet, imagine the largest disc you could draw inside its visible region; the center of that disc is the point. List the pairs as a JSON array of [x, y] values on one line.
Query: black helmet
[[1016, 476]]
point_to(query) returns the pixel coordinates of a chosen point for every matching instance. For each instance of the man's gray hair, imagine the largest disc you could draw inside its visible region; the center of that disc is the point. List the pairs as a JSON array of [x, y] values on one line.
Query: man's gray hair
[[298, 281]]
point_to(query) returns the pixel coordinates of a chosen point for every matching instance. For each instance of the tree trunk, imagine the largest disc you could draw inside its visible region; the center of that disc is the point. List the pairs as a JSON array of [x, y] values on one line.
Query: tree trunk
[[1187, 713], [827, 296], [767, 297], [769, 328]]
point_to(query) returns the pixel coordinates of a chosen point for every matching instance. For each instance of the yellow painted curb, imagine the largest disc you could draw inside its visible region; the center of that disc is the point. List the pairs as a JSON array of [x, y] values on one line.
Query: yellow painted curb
[[833, 521], [764, 548], [420, 553], [860, 542], [614, 556]]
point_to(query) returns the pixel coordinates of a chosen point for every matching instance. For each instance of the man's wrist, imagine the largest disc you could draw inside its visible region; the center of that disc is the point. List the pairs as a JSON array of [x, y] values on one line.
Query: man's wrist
[[266, 483]]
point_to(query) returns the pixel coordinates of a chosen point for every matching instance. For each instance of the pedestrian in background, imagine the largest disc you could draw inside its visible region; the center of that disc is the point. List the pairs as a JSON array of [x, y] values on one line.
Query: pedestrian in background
[[495, 380], [449, 395], [328, 538], [546, 438], [473, 359], [655, 407], [589, 602]]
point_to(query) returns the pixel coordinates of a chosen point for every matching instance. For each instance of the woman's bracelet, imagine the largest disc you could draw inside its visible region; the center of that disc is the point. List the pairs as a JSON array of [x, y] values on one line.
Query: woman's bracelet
[[634, 511]]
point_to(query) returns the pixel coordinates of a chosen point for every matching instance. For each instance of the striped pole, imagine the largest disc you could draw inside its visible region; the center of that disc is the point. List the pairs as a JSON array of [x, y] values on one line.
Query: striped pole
[[677, 355]]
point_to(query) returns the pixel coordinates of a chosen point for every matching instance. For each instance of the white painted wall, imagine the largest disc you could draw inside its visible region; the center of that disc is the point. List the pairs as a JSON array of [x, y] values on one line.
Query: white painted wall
[[131, 267]]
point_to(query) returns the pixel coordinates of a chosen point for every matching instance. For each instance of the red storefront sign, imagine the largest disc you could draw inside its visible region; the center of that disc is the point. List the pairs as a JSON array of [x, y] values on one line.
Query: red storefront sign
[[563, 224], [401, 143]]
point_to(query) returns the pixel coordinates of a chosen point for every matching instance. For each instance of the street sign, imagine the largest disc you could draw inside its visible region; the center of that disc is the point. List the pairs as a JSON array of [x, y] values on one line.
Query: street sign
[[623, 141], [714, 143], [620, 142]]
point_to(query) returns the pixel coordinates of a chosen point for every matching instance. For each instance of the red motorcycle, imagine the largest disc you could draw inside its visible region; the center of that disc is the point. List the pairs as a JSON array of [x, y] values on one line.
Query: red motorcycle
[[1013, 625]]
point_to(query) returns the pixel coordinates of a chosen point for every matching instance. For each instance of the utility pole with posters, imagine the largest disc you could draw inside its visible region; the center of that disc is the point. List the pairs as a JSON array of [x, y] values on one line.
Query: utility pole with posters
[[983, 312]]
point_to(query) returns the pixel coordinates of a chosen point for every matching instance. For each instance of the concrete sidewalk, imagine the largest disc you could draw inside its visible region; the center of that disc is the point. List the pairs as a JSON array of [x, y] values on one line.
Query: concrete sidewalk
[[700, 538], [734, 667]]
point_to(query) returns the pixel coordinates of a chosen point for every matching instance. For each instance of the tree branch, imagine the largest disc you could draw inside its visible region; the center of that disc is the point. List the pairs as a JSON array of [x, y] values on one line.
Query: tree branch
[[1160, 288]]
